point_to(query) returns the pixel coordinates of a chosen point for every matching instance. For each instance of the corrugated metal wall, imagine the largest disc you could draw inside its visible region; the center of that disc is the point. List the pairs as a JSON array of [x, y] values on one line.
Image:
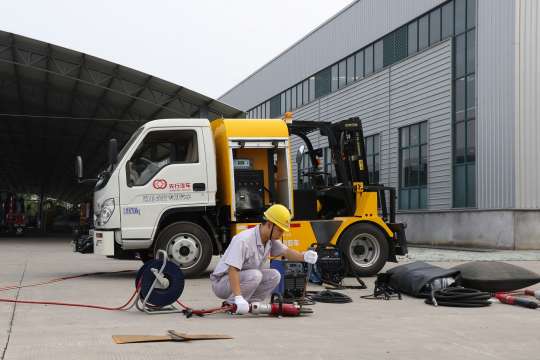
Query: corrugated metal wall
[[495, 103], [528, 104], [421, 90], [414, 90], [362, 23]]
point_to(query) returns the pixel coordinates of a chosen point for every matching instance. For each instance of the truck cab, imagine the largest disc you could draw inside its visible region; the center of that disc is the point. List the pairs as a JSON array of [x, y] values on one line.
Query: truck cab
[[167, 165]]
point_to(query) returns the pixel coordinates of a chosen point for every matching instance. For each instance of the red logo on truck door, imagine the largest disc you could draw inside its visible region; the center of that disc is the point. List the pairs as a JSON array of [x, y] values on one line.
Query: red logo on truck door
[[159, 184]]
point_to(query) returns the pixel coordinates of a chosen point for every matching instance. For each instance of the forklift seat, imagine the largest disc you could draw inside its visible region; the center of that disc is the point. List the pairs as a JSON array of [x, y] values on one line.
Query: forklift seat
[[334, 201]]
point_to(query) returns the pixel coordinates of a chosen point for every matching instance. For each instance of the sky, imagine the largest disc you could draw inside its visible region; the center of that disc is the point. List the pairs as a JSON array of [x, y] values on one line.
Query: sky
[[205, 45]]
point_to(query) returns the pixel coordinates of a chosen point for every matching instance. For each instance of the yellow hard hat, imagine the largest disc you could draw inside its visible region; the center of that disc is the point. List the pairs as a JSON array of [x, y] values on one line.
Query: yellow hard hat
[[280, 216]]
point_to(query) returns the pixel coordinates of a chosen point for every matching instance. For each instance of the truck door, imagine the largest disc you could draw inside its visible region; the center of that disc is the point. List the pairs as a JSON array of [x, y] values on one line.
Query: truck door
[[167, 169]]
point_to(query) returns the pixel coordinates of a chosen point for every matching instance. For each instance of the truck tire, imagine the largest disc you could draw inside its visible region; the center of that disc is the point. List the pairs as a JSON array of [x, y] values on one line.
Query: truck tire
[[365, 248], [188, 245]]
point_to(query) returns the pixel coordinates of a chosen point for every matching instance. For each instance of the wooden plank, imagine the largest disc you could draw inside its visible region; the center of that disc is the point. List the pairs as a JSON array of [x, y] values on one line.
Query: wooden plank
[[171, 336]]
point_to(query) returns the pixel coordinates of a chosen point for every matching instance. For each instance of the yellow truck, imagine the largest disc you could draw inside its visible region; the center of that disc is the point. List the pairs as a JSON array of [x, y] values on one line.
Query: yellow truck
[[187, 186]]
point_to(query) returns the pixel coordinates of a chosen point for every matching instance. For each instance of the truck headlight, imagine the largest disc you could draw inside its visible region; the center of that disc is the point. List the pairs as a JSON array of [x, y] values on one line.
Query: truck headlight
[[107, 209]]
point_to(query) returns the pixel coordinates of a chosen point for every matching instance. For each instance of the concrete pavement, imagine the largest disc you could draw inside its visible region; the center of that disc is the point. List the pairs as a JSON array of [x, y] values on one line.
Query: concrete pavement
[[364, 329]]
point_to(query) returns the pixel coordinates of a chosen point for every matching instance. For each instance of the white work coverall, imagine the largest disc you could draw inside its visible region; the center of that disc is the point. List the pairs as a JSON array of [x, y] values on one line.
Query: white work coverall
[[247, 253]]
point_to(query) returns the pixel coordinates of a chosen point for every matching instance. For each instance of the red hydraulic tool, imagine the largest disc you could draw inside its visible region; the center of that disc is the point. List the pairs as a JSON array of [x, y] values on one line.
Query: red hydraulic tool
[[513, 300]]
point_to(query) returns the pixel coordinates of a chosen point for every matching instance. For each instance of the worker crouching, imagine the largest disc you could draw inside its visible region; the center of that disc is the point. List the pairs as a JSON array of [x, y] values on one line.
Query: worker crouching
[[241, 276]]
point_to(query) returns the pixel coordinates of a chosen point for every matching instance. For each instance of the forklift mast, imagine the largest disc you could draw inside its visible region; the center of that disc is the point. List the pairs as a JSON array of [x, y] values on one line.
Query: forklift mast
[[346, 143]]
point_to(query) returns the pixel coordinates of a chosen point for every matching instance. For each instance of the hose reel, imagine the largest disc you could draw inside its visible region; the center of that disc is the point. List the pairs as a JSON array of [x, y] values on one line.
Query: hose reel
[[160, 284]]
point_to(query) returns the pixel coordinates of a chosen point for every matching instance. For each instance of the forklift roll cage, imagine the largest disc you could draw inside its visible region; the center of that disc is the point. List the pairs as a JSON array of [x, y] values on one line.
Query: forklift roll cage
[[347, 149]]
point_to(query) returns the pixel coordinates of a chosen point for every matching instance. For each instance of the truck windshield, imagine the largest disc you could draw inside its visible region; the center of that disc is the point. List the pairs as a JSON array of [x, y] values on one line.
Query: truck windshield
[[130, 142], [104, 175]]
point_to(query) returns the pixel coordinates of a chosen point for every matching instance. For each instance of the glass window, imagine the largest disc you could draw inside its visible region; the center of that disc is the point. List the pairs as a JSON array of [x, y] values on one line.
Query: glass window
[[423, 32], [404, 199], [378, 55], [405, 137], [414, 159], [423, 132], [306, 92], [459, 143], [373, 158], [405, 165], [293, 98], [159, 149], [282, 102], [459, 54], [312, 88], [423, 198], [299, 89], [471, 100], [460, 14], [413, 37], [471, 48], [464, 186], [335, 76], [414, 135], [460, 186], [459, 99], [368, 59], [471, 185], [471, 14], [359, 65], [413, 168], [471, 140], [435, 26], [423, 165], [342, 73], [414, 199], [400, 44], [323, 82], [288, 100], [389, 44], [448, 20], [350, 69]]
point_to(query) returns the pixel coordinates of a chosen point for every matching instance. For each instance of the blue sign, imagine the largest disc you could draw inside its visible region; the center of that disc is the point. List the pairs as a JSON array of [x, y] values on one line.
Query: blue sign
[[132, 211]]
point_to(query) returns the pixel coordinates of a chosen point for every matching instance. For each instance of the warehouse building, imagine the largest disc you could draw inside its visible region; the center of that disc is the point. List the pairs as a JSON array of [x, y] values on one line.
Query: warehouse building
[[447, 92]]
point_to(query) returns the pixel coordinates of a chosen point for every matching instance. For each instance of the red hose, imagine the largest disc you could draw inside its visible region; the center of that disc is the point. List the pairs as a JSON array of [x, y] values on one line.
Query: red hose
[[203, 312], [119, 308]]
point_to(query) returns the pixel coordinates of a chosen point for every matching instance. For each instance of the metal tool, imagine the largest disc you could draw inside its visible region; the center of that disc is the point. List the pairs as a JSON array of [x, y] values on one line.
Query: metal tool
[[513, 300]]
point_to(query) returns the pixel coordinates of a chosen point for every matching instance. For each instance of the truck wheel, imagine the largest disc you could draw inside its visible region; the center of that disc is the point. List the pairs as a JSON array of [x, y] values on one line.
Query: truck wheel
[[365, 248], [188, 245]]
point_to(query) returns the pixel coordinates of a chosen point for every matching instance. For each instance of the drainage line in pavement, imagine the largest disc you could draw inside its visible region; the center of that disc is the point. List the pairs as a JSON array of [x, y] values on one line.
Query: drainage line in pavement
[[13, 312]]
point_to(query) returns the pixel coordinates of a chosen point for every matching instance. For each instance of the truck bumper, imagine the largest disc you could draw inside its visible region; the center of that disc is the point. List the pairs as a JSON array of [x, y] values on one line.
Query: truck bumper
[[104, 242]]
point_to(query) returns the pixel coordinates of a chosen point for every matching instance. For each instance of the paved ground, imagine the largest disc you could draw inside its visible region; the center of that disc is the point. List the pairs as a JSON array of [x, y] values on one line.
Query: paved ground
[[364, 329]]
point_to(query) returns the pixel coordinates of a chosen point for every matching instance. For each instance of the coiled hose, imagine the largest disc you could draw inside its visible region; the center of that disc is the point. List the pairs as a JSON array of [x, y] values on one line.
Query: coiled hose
[[459, 297], [327, 296]]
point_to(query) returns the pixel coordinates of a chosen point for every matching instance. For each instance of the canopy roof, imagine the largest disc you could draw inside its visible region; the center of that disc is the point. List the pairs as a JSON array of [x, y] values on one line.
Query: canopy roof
[[57, 103]]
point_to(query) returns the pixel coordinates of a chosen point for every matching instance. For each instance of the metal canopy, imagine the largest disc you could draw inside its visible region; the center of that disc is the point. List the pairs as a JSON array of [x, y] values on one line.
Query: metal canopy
[[57, 103]]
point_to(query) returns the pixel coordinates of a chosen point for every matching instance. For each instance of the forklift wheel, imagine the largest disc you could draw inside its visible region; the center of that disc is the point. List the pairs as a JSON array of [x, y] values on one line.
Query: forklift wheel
[[187, 245], [365, 248]]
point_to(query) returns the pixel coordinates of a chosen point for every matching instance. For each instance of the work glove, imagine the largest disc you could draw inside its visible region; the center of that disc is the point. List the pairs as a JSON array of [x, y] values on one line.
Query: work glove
[[242, 306], [310, 257]]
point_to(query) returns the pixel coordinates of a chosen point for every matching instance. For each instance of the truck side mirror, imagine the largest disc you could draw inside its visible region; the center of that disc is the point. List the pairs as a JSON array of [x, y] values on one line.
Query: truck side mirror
[[113, 152], [300, 154], [79, 167]]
